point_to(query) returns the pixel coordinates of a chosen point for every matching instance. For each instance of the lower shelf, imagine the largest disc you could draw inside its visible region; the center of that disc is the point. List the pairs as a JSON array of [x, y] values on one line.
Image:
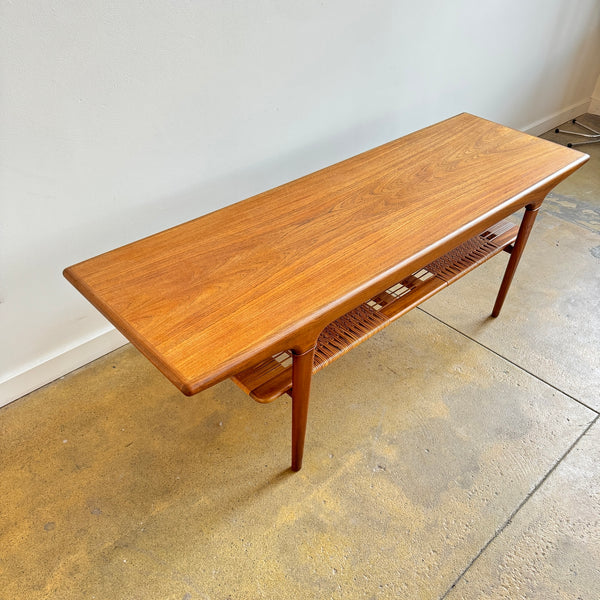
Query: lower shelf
[[272, 377]]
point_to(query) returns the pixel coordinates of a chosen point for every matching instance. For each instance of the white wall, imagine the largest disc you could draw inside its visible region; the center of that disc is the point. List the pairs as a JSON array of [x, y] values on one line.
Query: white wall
[[118, 119], [595, 103]]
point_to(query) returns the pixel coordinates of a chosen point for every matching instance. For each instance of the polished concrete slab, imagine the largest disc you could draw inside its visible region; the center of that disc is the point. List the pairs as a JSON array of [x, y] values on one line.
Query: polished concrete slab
[[551, 549], [421, 445], [449, 456]]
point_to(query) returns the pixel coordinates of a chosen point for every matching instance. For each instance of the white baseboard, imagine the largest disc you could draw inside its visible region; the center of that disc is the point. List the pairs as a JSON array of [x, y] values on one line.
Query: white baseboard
[[594, 106], [557, 118], [54, 367]]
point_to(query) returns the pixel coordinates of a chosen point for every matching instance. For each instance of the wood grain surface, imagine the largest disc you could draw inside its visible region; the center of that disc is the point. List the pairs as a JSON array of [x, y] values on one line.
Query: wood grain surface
[[209, 297]]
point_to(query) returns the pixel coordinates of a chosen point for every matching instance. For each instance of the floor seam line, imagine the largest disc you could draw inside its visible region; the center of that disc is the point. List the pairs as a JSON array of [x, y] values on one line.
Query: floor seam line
[[523, 502], [508, 360]]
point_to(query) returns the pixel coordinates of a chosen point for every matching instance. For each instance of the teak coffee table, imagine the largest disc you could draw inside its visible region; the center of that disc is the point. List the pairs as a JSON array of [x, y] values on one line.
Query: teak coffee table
[[271, 289]]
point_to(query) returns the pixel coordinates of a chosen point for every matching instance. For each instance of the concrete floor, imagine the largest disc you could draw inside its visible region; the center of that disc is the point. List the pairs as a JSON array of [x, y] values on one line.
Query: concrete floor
[[451, 456]]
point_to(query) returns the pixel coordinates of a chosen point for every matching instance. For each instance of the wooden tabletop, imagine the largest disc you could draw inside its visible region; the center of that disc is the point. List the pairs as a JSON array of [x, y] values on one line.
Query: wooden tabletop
[[211, 296]]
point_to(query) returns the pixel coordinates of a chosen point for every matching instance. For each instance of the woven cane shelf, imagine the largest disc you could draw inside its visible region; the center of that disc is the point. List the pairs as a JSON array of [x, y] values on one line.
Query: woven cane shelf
[[272, 377]]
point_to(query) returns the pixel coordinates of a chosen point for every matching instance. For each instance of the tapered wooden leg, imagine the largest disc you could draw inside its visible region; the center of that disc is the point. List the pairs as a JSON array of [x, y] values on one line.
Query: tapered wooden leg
[[531, 212], [301, 377]]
